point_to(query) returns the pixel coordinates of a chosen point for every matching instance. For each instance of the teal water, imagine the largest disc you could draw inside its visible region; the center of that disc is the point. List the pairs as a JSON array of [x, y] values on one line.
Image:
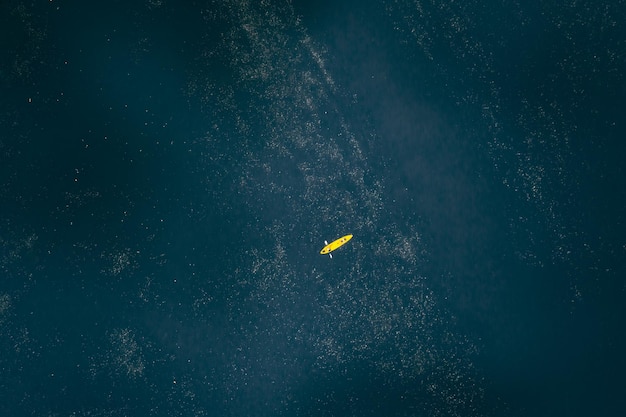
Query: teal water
[[169, 174]]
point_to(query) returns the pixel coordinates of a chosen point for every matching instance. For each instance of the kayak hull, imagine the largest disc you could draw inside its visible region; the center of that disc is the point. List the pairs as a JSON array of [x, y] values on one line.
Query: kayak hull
[[335, 244]]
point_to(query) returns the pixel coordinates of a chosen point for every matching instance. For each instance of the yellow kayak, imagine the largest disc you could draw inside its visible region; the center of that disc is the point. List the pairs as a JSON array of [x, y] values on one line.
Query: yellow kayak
[[334, 245]]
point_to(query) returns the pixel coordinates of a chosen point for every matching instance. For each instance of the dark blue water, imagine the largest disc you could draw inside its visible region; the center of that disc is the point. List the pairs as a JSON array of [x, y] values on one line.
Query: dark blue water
[[169, 174]]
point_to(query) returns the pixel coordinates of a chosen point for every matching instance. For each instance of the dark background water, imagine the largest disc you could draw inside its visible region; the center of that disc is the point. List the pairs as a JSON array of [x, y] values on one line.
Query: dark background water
[[169, 173]]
